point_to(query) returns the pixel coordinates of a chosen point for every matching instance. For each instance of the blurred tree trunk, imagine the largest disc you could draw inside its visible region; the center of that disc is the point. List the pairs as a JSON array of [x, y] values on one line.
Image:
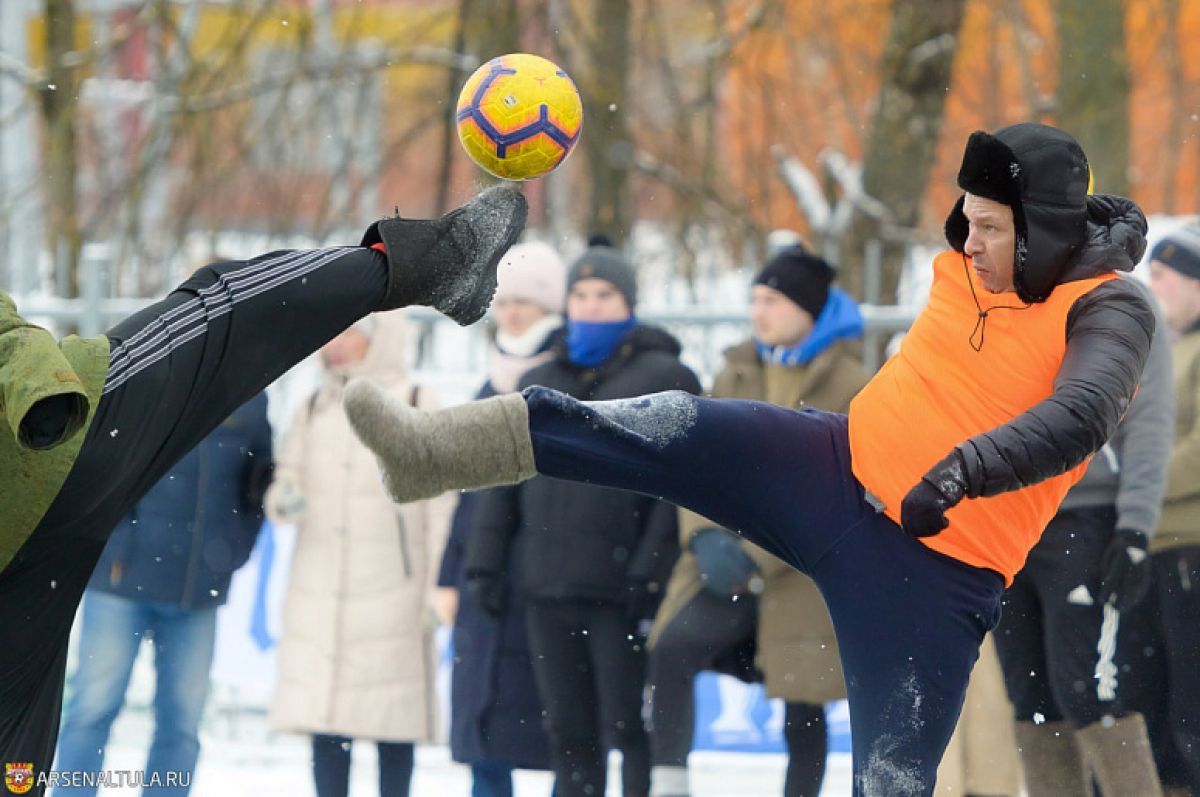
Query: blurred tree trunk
[[1172, 153], [606, 145], [1093, 86], [905, 130], [486, 29], [59, 100]]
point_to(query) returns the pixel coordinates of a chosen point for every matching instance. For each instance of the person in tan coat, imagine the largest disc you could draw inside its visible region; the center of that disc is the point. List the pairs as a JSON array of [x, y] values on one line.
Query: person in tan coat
[[356, 658], [1168, 632], [726, 598]]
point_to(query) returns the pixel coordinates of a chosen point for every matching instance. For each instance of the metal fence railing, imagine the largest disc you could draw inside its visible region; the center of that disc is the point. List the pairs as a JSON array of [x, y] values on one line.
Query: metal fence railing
[[440, 346]]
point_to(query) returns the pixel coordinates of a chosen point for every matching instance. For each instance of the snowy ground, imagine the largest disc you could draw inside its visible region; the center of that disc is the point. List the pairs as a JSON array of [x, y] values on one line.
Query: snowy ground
[[241, 758]]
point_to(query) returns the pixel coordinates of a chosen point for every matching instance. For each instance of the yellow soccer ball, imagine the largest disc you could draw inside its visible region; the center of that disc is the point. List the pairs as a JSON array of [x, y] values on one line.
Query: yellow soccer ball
[[519, 116]]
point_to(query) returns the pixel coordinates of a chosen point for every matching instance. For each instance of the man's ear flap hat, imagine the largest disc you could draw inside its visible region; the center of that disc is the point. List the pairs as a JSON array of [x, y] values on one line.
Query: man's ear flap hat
[[1043, 175]]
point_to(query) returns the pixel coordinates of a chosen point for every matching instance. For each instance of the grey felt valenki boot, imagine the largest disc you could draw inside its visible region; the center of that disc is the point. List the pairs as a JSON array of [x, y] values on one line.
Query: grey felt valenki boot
[[1052, 761], [669, 782], [449, 264], [423, 454], [1118, 751]]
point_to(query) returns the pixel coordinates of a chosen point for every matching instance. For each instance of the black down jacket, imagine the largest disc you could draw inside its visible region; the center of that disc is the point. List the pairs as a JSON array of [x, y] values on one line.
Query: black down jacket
[[577, 541]]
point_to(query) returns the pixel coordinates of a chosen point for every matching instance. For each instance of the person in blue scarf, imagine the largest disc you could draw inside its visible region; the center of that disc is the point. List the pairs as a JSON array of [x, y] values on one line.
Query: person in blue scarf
[[602, 293], [589, 562]]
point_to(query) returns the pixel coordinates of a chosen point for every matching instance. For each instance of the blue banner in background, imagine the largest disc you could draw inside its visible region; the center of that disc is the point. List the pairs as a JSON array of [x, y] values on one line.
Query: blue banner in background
[[739, 717]]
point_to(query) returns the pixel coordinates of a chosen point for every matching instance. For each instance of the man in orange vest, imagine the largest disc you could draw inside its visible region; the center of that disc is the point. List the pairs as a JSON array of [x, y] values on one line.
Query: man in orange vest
[[913, 512]]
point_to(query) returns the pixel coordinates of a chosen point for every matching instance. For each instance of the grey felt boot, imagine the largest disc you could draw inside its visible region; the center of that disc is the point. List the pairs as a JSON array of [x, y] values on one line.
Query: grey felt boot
[[449, 264], [1119, 754], [1053, 764], [423, 454], [669, 781]]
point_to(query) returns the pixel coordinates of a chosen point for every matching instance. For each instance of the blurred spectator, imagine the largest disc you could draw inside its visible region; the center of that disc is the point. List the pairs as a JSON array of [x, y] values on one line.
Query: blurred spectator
[[1058, 634], [1170, 629], [495, 712], [165, 570], [981, 759], [710, 618], [592, 560], [356, 655]]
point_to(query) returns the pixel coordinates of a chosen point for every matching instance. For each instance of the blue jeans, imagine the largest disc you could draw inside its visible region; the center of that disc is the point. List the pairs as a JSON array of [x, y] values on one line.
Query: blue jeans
[[909, 620], [494, 779], [491, 779], [111, 632]]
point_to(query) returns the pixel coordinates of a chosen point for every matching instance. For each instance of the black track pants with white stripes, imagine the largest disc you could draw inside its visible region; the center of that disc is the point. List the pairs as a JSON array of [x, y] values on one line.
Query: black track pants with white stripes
[[176, 370], [1057, 644]]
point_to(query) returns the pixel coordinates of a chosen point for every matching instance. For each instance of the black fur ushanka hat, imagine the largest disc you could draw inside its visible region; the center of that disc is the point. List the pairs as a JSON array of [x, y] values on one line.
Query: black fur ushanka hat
[[1042, 174]]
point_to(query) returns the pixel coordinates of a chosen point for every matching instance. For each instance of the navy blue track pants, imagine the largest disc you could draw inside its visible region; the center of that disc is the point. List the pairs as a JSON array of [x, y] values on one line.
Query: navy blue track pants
[[909, 620]]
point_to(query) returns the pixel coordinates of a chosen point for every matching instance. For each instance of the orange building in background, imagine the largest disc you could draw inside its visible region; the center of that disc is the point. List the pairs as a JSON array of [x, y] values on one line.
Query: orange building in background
[[805, 78], [811, 83]]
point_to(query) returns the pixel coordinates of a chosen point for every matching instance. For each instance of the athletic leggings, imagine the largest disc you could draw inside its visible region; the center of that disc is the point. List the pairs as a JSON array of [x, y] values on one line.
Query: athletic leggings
[[331, 766], [176, 370], [909, 621]]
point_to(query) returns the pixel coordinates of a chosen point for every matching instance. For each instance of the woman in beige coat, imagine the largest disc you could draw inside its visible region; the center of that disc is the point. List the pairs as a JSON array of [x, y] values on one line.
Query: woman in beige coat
[[355, 658]]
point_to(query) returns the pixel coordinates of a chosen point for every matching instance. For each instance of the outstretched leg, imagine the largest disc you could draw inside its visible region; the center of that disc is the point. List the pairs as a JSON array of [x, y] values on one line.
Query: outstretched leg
[[909, 620], [180, 366], [776, 476], [176, 370]]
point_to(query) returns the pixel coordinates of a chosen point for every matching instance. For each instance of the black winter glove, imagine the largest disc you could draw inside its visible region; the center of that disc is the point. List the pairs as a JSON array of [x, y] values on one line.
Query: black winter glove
[[923, 511], [640, 598], [724, 566], [489, 590], [1125, 570]]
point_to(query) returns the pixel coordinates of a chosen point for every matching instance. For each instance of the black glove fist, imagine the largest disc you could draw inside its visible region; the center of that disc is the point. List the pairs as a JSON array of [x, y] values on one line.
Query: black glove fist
[[489, 591], [1125, 570], [724, 566], [923, 511]]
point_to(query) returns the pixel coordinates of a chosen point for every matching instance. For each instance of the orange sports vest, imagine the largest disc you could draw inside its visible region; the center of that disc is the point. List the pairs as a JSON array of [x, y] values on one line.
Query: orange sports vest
[[937, 391]]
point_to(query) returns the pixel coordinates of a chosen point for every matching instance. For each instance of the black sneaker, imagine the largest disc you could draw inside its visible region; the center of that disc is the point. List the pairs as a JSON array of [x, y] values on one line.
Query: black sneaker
[[449, 264]]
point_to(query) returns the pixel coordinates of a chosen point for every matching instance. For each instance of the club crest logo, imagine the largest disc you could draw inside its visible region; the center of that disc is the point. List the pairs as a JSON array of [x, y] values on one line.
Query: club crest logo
[[18, 777]]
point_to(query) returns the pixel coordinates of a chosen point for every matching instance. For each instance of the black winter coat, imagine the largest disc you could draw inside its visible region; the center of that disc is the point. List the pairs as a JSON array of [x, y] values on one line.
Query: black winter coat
[[577, 541]]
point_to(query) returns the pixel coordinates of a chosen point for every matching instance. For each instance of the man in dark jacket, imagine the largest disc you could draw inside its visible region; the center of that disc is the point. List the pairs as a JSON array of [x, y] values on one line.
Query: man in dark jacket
[[1066, 668], [593, 561], [163, 573], [912, 512], [1169, 628]]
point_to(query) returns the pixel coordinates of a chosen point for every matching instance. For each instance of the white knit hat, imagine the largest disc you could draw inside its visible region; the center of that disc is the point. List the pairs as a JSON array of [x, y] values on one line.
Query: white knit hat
[[535, 272]]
